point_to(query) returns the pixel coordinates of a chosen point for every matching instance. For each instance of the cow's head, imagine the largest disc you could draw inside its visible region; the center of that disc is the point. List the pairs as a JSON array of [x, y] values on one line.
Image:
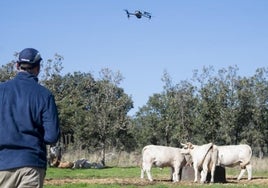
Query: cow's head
[[186, 148], [55, 151], [54, 155]]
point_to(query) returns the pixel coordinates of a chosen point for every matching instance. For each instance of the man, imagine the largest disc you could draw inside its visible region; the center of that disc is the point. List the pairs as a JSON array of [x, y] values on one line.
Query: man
[[28, 122]]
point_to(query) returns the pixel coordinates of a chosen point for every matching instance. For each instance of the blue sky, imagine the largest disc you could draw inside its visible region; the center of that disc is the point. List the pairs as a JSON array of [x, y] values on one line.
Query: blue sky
[[182, 35]]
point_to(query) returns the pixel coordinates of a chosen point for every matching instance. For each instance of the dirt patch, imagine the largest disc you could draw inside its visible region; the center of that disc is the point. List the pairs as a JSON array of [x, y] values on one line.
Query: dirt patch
[[140, 182]]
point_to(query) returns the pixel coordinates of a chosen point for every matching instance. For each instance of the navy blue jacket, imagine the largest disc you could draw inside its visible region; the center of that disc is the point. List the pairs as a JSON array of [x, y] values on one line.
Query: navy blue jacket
[[28, 122]]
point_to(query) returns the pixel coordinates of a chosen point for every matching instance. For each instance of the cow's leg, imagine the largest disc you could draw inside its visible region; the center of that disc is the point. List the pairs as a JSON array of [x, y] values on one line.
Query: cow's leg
[[147, 168], [241, 173], [249, 170], [148, 172], [204, 173], [213, 163], [142, 173], [172, 174], [175, 174], [213, 167], [195, 173]]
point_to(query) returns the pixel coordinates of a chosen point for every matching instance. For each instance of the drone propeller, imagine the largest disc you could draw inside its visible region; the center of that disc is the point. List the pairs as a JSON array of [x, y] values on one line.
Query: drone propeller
[[128, 14], [147, 13]]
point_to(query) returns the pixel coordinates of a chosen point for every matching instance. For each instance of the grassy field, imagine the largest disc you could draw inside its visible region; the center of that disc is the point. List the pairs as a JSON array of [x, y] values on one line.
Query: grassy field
[[129, 177]]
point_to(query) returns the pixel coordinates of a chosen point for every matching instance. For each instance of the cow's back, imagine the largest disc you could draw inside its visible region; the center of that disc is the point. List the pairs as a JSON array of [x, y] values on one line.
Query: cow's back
[[161, 155], [232, 155]]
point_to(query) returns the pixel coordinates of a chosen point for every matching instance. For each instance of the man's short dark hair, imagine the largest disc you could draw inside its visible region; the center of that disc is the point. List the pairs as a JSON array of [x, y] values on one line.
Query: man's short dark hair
[[29, 58]]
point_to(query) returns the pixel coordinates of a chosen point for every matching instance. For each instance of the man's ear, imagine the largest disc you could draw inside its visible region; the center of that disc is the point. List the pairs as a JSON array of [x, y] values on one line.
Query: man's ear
[[38, 67], [18, 66]]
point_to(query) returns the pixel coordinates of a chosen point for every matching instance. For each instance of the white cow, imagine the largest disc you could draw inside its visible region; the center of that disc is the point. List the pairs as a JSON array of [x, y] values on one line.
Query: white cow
[[204, 157], [233, 155], [82, 163], [162, 156]]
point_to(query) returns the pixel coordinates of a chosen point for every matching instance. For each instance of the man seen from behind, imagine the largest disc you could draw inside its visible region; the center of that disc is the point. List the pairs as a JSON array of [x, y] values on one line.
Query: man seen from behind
[[28, 122]]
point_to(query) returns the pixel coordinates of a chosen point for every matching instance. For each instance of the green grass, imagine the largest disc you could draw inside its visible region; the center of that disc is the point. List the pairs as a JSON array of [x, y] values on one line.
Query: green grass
[[113, 172], [133, 174]]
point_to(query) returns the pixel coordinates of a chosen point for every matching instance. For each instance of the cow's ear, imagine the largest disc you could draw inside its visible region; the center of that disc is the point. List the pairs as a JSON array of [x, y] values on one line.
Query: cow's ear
[[190, 145], [183, 145]]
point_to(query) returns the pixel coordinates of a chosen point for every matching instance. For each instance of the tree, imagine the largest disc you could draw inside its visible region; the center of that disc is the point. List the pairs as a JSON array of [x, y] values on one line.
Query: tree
[[74, 105], [167, 118], [257, 130], [148, 122], [217, 102], [7, 71], [186, 105], [108, 106]]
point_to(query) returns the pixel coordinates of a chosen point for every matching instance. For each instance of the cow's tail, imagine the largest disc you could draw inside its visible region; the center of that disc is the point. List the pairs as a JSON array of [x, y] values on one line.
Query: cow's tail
[[209, 147]]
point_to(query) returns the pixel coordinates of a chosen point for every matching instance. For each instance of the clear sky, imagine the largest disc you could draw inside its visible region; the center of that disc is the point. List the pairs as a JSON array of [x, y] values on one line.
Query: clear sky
[[182, 35]]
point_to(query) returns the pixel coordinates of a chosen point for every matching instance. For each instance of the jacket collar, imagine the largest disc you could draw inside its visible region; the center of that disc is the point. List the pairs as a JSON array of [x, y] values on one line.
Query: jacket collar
[[24, 74]]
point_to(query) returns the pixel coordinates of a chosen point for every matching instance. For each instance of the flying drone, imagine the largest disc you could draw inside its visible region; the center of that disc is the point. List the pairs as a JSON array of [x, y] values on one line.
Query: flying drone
[[138, 14]]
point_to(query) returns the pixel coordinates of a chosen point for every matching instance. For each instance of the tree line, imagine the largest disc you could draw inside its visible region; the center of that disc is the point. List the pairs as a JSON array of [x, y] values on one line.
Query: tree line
[[216, 106]]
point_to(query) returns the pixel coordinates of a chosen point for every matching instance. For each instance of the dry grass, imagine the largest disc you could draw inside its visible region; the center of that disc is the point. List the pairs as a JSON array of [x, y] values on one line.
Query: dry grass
[[124, 159], [259, 165], [112, 158]]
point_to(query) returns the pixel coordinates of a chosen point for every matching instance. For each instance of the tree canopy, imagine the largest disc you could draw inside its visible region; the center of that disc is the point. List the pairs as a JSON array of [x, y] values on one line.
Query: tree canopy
[[214, 106]]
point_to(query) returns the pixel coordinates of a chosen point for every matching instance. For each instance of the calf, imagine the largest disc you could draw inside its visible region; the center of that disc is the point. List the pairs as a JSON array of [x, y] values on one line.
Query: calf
[[162, 156]]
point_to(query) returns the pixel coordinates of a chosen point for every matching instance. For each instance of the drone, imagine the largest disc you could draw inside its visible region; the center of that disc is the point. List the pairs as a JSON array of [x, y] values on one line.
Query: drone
[[139, 14]]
